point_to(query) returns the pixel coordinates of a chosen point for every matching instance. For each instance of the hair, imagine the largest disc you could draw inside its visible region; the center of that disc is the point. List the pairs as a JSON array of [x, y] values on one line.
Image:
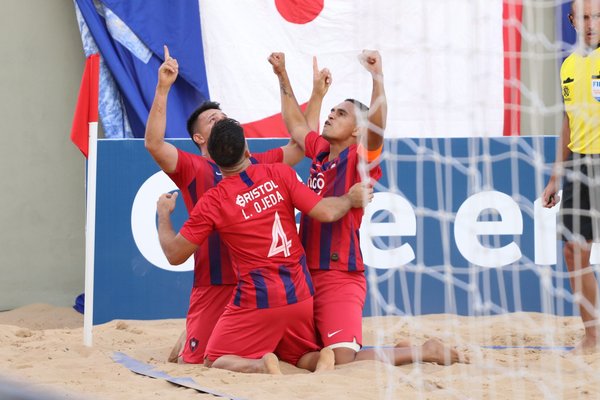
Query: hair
[[226, 143], [363, 110], [191, 122]]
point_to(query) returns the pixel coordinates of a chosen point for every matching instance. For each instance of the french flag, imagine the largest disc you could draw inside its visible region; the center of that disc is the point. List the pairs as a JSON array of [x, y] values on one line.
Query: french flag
[[451, 68]]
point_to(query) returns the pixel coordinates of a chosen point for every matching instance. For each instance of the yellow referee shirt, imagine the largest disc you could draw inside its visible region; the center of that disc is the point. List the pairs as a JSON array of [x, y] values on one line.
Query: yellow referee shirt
[[580, 81]]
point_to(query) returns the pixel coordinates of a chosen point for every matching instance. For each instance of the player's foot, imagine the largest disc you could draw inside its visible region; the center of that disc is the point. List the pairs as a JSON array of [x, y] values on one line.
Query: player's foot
[[178, 348], [435, 351], [326, 360], [588, 345], [271, 364]]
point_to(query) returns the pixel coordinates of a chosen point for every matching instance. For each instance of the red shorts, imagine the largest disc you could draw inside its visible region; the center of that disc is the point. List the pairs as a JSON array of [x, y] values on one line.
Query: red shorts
[[207, 304], [339, 301], [287, 331]]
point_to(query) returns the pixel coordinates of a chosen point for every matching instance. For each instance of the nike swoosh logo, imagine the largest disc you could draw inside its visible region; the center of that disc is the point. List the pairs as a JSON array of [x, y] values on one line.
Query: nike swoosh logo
[[568, 80], [330, 334]]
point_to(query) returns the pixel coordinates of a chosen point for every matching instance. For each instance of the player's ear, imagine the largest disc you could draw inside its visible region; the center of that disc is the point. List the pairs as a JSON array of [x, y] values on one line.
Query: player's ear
[[198, 139]]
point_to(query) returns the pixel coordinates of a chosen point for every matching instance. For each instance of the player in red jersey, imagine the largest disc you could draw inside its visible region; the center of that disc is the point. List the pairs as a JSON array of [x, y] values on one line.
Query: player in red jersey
[[252, 208], [194, 174], [346, 153]]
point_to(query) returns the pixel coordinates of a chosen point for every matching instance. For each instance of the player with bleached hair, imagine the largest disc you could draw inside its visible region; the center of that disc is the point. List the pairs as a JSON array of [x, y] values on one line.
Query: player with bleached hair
[[347, 152]]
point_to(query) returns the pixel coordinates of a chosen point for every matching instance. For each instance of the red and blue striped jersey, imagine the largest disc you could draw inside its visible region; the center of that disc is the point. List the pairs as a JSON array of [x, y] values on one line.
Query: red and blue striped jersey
[[194, 175], [333, 245], [254, 213]]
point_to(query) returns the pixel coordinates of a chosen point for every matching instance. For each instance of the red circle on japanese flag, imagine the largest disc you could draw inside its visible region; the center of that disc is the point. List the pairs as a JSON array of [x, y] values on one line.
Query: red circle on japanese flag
[[299, 11]]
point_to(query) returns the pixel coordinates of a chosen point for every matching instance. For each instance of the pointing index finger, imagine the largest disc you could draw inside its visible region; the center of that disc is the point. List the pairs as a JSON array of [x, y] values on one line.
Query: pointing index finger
[[315, 66], [167, 56]]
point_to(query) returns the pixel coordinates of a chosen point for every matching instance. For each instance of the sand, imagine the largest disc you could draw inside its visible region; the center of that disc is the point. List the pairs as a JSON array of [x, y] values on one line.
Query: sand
[[42, 347]]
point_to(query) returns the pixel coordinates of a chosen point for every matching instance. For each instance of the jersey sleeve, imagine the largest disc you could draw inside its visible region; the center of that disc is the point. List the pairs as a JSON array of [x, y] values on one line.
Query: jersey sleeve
[[184, 170], [313, 144], [201, 222], [269, 157], [303, 198]]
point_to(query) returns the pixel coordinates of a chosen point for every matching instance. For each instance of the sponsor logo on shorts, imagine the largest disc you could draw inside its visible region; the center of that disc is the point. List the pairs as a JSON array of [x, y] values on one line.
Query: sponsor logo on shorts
[[331, 334]]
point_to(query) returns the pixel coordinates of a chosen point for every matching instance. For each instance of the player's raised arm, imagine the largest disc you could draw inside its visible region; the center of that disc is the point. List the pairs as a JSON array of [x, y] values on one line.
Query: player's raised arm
[[165, 154], [292, 114], [321, 83], [371, 60], [177, 249], [293, 152]]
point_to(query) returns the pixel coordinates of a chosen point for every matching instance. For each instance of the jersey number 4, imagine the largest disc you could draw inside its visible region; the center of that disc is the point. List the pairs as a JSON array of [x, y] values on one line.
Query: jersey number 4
[[280, 243]]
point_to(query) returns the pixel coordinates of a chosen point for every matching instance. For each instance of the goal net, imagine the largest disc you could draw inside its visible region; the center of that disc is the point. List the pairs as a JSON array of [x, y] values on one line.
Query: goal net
[[458, 244]]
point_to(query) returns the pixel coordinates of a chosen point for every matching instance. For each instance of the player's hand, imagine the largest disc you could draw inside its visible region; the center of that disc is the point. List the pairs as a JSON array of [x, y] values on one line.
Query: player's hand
[[360, 195], [371, 60], [550, 197], [166, 202], [277, 60], [321, 79], [168, 71]]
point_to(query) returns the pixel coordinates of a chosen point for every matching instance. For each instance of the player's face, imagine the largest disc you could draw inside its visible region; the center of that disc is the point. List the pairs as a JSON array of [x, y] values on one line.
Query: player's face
[[341, 122], [207, 120], [585, 18]]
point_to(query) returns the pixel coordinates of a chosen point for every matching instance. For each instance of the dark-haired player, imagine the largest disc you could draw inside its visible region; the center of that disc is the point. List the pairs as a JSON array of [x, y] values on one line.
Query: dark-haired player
[[252, 208], [194, 174]]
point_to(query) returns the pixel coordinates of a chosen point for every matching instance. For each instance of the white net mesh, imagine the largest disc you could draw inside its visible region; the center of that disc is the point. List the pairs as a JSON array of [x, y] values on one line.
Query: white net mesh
[[459, 247]]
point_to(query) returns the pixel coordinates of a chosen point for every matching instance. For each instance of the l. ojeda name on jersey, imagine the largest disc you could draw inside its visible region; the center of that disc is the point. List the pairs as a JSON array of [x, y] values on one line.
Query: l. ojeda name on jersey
[[262, 197]]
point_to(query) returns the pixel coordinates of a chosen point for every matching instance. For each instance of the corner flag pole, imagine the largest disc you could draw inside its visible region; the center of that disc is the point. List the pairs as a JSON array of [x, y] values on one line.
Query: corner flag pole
[[84, 135], [90, 234]]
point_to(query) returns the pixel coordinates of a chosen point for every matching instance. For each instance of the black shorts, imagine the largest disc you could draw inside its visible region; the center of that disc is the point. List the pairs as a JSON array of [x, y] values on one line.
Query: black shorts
[[580, 202]]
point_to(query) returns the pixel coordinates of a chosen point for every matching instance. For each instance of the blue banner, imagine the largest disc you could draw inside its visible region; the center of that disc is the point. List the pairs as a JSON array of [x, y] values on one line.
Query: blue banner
[[454, 227]]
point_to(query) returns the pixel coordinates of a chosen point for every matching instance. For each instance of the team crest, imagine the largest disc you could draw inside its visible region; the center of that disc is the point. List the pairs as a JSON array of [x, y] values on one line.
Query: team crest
[[193, 344], [566, 92]]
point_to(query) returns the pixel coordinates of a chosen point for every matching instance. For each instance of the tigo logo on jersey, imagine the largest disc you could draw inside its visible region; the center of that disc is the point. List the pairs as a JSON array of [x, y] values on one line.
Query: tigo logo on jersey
[[316, 183]]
